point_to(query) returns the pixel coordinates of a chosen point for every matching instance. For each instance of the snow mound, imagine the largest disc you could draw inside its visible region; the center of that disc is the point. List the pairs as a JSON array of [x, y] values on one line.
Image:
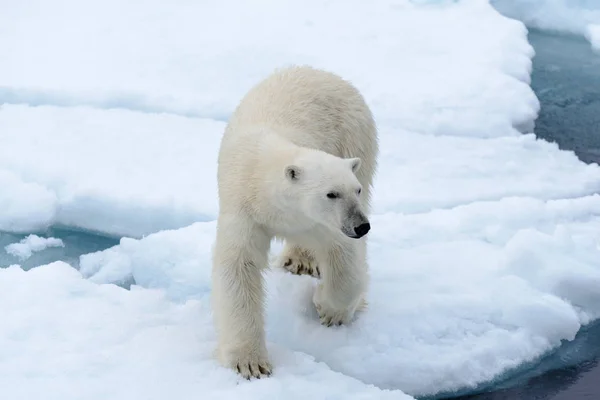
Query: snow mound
[[482, 288], [78, 340], [25, 206], [134, 173], [580, 17], [419, 173], [32, 243], [198, 59], [116, 172]]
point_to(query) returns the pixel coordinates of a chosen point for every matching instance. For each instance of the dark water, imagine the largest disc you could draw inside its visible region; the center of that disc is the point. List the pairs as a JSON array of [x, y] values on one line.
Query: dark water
[[566, 79]]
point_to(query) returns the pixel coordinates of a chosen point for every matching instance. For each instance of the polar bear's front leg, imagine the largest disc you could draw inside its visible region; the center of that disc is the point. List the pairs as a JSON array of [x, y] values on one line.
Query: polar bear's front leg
[[344, 282], [240, 254]]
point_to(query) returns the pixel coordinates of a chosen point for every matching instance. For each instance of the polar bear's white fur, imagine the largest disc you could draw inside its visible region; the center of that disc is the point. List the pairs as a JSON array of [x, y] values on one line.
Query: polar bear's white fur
[[296, 162]]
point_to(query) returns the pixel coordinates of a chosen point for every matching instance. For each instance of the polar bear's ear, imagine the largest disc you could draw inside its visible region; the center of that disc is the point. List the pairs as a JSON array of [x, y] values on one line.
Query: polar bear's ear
[[292, 172], [355, 164]]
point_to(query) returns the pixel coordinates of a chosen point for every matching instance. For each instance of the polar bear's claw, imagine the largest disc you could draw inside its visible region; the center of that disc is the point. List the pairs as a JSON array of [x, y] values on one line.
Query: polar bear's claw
[[331, 318], [256, 370], [299, 262]]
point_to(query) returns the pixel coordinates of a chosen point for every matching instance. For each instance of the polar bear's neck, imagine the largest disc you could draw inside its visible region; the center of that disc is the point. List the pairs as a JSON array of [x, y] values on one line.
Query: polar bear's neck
[[275, 153], [271, 201]]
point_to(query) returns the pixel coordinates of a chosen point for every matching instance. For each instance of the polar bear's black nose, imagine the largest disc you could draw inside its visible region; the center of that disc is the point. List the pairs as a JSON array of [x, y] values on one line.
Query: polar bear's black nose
[[362, 229]]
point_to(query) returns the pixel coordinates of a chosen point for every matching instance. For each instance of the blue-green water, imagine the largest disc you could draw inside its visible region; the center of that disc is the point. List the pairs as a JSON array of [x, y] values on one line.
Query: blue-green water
[[75, 244]]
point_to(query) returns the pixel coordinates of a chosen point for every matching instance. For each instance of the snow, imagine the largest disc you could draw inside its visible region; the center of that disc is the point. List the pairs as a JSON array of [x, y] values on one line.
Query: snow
[[31, 244], [112, 171], [82, 340], [580, 17], [593, 34], [123, 191], [25, 206], [187, 59], [485, 242], [479, 289]]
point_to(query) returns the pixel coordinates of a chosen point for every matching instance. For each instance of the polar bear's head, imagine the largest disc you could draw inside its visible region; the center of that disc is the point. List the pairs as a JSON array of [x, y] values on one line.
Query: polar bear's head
[[325, 189]]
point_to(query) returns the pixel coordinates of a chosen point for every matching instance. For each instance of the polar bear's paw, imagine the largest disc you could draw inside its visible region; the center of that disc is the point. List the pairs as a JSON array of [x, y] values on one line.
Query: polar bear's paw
[[299, 261], [249, 364], [330, 316]]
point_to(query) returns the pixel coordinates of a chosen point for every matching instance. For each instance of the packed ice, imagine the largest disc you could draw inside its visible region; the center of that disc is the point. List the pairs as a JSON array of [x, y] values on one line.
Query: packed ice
[[485, 241]]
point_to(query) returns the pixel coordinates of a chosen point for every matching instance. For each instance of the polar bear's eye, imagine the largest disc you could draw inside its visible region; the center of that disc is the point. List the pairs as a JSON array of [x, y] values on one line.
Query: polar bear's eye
[[358, 191], [333, 195]]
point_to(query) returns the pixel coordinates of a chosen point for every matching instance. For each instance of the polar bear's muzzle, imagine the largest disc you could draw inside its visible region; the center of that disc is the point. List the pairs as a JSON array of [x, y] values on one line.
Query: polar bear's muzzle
[[358, 225]]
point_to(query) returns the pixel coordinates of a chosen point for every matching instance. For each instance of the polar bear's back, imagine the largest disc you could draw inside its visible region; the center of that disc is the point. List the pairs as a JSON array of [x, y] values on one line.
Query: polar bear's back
[[312, 108]]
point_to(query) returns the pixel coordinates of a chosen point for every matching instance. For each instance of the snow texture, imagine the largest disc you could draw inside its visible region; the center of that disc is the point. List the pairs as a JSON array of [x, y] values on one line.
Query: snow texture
[[116, 172], [25, 206], [32, 243], [485, 242], [78, 340], [593, 34], [580, 17]]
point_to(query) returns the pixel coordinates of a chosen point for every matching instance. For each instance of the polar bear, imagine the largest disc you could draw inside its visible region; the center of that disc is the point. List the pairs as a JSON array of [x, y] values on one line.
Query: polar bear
[[296, 163]]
